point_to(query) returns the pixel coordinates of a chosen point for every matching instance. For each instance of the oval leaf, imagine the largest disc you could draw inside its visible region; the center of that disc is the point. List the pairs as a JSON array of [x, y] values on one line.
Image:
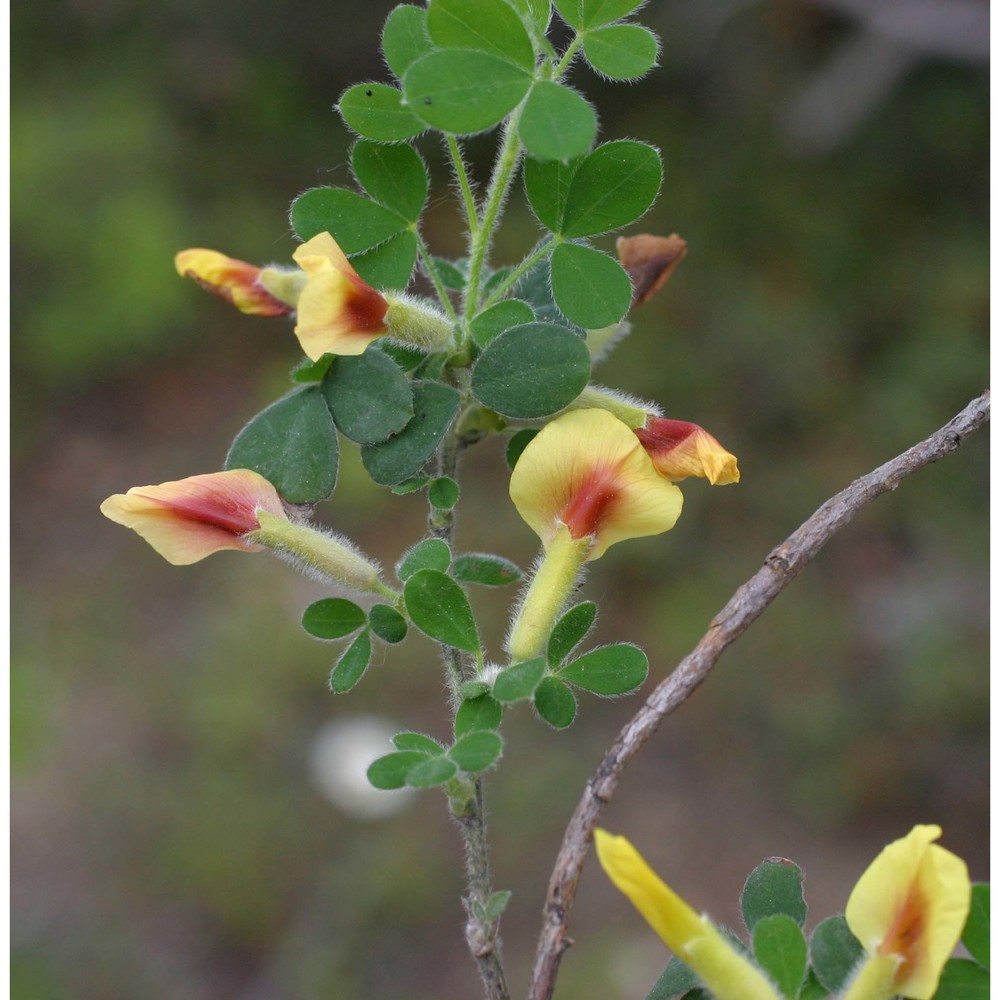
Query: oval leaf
[[486, 570], [332, 618], [404, 38], [404, 454], [418, 742], [518, 443], [546, 184], [376, 111], [484, 25], [352, 664], [476, 752], [532, 370], [557, 123], [519, 681], [570, 631], [293, 445], [622, 51], [613, 186], [355, 222], [443, 493], [593, 13], [431, 553], [774, 886], [492, 322], [439, 608], [390, 771], [963, 980], [461, 91], [394, 175], [479, 714], [368, 395], [431, 771], [675, 980], [976, 936], [780, 949], [387, 623], [834, 953], [590, 288], [555, 702], [608, 670], [390, 264]]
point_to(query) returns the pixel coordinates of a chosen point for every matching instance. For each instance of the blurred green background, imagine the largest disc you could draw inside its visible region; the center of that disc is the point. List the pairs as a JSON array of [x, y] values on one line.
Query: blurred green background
[[827, 162]]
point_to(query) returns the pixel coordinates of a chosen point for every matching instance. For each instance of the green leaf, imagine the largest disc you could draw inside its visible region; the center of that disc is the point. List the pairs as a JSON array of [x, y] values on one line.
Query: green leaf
[[418, 742], [497, 319], [555, 702], [390, 264], [484, 25], [462, 91], [676, 979], [774, 886], [780, 949], [333, 618], [313, 371], [355, 222], [613, 186], [546, 184], [519, 681], [496, 904], [976, 936], [431, 553], [368, 396], [622, 52], [535, 287], [593, 13], [451, 273], [404, 455], [352, 664], [439, 608], [538, 12], [414, 485], [517, 444], [963, 980], [293, 445], [387, 623], [480, 714], [557, 122], [405, 355], [484, 569], [376, 111], [476, 751], [390, 771], [394, 175], [443, 493], [608, 670], [834, 953], [431, 771], [405, 38], [590, 288], [570, 631], [532, 370], [812, 988]]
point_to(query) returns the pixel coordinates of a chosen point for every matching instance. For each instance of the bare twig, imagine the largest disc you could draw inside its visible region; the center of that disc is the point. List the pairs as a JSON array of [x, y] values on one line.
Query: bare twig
[[745, 606]]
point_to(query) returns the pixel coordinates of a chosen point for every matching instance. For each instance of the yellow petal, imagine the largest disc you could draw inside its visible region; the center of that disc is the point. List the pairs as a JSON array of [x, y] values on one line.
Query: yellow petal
[[680, 449], [912, 903], [185, 521], [233, 281], [587, 470], [338, 313]]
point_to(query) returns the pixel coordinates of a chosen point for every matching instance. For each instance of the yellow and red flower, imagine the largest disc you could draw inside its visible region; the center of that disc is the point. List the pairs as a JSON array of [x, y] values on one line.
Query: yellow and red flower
[[338, 313], [233, 281], [192, 518], [680, 449], [908, 911]]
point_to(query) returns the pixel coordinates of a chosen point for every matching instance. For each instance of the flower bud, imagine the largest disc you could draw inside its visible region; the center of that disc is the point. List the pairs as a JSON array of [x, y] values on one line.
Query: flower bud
[[680, 449], [233, 281]]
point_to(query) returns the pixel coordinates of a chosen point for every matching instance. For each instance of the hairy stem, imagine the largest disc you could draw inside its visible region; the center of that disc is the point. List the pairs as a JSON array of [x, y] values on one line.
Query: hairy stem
[[743, 609], [432, 272], [462, 176], [508, 283]]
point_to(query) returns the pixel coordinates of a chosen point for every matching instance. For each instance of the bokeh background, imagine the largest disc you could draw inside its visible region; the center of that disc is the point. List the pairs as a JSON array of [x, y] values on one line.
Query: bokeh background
[[172, 732]]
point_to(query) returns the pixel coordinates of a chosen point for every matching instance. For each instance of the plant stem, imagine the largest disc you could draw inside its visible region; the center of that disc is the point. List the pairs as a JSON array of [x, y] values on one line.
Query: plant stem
[[432, 272], [462, 176], [533, 258], [503, 174], [568, 56]]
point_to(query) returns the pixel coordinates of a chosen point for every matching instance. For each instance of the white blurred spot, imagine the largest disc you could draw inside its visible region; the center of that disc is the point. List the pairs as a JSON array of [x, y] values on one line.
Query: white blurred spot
[[341, 754]]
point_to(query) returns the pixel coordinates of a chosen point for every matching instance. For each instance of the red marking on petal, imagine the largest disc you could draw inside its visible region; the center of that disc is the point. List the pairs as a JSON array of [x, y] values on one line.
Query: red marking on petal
[[364, 307], [662, 434], [592, 502], [216, 510], [906, 936]]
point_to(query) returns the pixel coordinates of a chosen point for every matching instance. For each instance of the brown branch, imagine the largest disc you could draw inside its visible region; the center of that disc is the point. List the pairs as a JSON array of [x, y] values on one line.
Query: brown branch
[[745, 606]]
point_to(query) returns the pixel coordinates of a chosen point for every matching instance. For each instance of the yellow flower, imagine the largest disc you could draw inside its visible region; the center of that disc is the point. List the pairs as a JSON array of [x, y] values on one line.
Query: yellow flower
[[233, 281], [588, 472], [583, 483], [908, 910], [689, 935], [680, 449], [338, 313], [192, 518]]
